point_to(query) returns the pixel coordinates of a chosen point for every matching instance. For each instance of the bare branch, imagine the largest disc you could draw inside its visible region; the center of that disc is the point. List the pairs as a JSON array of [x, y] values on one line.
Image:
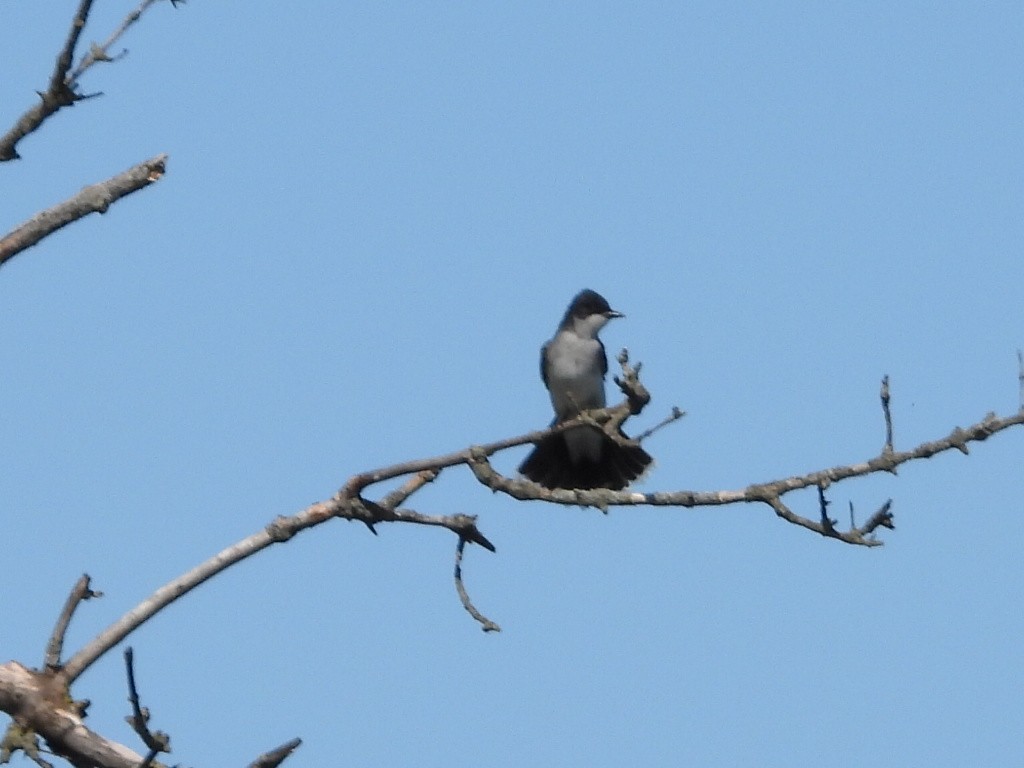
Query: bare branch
[[359, 482], [280, 530], [93, 199], [769, 493], [276, 756], [58, 94], [40, 700], [59, 78], [486, 624], [348, 504], [101, 52], [55, 646], [61, 90], [413, 484]]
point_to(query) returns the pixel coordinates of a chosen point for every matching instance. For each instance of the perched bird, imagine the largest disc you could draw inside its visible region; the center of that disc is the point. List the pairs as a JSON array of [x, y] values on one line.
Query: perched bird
[[573, 366]]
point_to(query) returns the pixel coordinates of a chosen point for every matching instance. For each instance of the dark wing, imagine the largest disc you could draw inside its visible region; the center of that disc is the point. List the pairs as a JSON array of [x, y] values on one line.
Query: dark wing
[[604, 360], [544, 363]]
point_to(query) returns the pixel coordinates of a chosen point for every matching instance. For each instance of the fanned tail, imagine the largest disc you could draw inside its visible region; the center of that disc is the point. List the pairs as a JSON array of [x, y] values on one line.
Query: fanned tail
[[550, 465]]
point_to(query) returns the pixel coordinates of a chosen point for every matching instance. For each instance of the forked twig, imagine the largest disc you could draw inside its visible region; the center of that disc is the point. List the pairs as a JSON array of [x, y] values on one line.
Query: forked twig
[[139, 718]]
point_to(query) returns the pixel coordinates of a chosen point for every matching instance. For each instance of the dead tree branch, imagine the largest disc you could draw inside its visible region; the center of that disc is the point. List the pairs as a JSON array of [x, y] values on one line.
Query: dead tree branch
[[139, 718], [38, 704], [278, 531], [62, 89], [349, 503], [101, 52], [58, 94], [486, 624], [275, 757], [769, 493], [96, 198], [55, 647]]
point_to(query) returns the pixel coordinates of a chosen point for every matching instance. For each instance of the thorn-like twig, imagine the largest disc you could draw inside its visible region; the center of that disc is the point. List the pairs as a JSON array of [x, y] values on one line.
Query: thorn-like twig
[[276, 756], [486, 624], [139, 719], [884, 394], [826, 522], [55, 646]]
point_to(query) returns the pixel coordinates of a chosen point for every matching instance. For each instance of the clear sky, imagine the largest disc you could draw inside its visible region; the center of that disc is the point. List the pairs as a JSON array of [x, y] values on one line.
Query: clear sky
[[373, 216]]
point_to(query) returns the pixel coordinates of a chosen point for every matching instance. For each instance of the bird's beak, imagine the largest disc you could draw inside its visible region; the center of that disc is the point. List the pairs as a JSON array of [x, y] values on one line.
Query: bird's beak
[[611, 314]]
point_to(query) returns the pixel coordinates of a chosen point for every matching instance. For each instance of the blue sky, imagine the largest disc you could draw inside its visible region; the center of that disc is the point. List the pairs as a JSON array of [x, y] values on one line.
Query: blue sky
[[373, 216]]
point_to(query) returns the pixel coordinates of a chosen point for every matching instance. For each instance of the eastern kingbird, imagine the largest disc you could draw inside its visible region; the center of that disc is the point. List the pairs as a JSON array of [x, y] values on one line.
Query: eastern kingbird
[[573, 366]]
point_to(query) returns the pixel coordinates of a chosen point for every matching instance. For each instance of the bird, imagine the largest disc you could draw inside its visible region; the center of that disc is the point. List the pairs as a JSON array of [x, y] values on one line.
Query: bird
[[573, 365]]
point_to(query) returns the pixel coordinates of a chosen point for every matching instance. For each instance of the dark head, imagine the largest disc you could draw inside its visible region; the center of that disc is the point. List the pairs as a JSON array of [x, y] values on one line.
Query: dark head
[[588, 312]]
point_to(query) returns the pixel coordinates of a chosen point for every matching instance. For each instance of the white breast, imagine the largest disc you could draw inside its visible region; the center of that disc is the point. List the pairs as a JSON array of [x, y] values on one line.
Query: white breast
[[571, 366]]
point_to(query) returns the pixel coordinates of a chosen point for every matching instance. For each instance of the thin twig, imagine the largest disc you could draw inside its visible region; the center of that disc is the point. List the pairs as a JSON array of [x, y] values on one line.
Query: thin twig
[[826, 522], [139, 719], [486, 624], [93, 199], [55, 646], [101, 52], [675, 415]]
